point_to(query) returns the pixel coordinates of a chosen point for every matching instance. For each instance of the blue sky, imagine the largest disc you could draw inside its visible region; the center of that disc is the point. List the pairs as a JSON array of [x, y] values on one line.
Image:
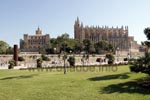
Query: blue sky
[[56, 17]]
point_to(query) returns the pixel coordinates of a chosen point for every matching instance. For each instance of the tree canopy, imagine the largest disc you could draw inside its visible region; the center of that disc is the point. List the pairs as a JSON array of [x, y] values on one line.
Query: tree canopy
[[147, 32], [103, 47], [147, 42], [74, 46], [142, 64], [5, 48]]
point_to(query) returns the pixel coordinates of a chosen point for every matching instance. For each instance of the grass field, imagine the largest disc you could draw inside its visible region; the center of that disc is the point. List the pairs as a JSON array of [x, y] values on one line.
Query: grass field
[[79, 85]]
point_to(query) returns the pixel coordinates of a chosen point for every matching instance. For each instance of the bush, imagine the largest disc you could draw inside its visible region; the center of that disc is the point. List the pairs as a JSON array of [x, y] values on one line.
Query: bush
[[39, 63], [45, 58], [125, 59], [98, 60], [71, 61], [21, 59], [110, 62], [135, 69], [11, 64], [110, 58]]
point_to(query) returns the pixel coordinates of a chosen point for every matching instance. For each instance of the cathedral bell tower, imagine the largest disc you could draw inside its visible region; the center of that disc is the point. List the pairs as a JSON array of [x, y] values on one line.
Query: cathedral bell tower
[[38, 31]]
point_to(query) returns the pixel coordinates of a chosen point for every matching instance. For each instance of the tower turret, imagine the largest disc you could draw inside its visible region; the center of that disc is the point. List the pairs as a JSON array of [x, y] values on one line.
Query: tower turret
[[38, 31]]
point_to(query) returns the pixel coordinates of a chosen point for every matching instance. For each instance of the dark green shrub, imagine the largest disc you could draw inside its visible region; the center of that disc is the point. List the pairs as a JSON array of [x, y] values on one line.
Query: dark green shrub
[[98, 59], [125, 59], [39, 63], [142, 64], [21, 59], [45, 58], [110, 61], [71, 61], [135, 69], [110, 58], [11, 64]]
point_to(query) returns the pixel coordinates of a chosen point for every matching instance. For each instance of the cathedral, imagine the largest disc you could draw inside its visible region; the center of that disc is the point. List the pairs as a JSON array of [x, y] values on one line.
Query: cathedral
[[117, 36], [33, 43]]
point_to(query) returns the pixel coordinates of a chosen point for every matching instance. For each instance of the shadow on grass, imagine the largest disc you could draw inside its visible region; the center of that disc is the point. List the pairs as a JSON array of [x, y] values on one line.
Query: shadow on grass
[[127, 87], [19, 77], [109, 77]]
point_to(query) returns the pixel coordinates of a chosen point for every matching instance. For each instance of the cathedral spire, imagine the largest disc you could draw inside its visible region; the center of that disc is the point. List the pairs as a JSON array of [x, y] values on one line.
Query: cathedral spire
[[127, 27], [122, 27], [78, 21], [38, 28], [81, 24]]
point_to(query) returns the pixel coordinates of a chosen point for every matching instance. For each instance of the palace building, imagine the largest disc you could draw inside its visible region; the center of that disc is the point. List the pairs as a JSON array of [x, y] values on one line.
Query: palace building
[[33, 43], [118, 37]]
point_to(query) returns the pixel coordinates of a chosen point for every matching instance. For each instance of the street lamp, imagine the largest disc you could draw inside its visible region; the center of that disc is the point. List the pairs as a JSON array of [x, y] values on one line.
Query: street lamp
[[54, 50], [64, 47], [130, 49], [118, 54], [70, 51]]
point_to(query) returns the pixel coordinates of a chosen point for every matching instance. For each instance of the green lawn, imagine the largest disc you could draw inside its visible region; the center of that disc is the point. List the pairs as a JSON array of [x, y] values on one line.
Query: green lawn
[[78, 85]]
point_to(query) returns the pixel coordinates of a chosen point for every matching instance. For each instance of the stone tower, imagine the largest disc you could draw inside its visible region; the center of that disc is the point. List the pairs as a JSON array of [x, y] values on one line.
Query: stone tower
[[38, 31]]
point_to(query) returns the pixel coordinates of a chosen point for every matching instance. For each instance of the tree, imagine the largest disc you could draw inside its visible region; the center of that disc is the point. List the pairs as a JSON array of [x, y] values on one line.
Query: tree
[[71, 43], [103, 47], [64, 46], [147, 33], [111, 48], [142, 64], [9, 50], [53, 44], [87, 45], [99, 47], [3, 47], [92, 48], [42, 50], [77, 46], [65, 36], [58, 42]]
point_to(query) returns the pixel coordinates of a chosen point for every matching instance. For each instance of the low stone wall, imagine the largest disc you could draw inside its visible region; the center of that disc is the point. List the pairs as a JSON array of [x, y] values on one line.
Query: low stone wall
[[30, 60]]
